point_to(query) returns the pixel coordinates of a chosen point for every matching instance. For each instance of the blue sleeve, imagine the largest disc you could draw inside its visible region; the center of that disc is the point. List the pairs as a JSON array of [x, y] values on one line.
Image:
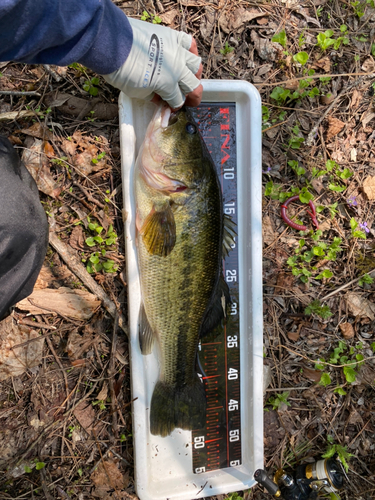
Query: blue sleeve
[[95, 33]]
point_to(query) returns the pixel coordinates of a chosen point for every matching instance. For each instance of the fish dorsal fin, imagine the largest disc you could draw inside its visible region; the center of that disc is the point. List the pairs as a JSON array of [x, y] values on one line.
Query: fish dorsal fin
[[159, 232], [146, 335], [229, 235], [217, 310]]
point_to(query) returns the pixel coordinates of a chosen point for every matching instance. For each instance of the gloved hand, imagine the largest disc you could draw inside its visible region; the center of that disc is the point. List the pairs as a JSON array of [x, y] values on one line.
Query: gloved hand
[[160, 63]]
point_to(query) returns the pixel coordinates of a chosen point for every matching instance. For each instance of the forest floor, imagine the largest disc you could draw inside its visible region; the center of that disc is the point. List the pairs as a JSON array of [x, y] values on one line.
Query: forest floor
[[66, 429]]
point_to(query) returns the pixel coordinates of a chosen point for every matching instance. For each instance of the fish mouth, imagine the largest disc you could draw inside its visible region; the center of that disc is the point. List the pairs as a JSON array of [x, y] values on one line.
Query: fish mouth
[[162, 182]]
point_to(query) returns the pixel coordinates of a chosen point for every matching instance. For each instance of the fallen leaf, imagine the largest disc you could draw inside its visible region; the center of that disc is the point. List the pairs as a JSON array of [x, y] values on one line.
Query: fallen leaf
[[169, 17], [37, 164], [207, 22], [16, 360], [334, 127], [353, 154], [285, 280], [268, 51], [267, 230], [76, 304], [368, 187], [106, 478], [356, 99], [85, 414], [368, 65], [359, 306], [38, 130], [324, 63], [311, 374], [367, 117], [77, 238], [102, 396], [347, 330], [293, 336]]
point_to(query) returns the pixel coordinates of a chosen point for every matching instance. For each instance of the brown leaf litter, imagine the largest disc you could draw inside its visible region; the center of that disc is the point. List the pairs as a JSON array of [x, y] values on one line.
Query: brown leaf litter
[[21, 348]]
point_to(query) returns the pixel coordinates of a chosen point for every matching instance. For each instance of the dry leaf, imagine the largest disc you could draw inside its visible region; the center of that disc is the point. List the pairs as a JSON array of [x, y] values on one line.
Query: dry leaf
[[356, 99], [77, 238], [369, 65], [85, 414], [78, 344], [324, 63], [14, 362], [107, 478], [84, 152], [268, 51], [311, 374], [267, 230], [76, 304], [347, 330], [334, 127], [369, 187], [36, 163], [293, 336], [102, 396], [359, 306], [38, 130], [367, 117], [353, 154], [169, 17]]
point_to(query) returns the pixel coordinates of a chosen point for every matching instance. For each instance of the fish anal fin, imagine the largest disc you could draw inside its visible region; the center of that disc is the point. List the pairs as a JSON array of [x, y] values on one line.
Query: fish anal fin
[[159, 232], [217, 310], [229, 235], [146, 335]]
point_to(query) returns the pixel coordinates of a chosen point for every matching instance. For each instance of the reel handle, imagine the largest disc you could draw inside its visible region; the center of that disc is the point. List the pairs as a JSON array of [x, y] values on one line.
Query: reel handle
[[261, 477]]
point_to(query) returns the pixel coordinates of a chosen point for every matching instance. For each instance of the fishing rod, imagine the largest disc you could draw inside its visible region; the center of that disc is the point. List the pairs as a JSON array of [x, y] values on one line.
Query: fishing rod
[[306, 482]]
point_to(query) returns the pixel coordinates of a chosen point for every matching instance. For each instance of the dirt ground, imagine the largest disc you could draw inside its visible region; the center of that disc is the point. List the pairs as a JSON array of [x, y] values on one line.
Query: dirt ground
[[65, 421]]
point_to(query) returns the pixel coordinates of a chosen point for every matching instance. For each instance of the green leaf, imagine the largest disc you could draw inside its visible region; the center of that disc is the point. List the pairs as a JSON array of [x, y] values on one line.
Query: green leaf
[[336, 187], [331, 165], [280, 38], [301, 57], [27, 468], [40, 465], [325, 274], [318, 251], [350, 374], [305, 196], [325, 379], [90, 242], [92, 226], [340, 391]]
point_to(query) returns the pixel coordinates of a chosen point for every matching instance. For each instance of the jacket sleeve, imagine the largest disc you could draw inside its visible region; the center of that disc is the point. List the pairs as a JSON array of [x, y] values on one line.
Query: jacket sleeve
[[95, 33]]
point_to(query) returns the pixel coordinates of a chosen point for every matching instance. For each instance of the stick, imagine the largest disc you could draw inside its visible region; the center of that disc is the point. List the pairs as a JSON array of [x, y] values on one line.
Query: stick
[[79, 270], [344, 286]]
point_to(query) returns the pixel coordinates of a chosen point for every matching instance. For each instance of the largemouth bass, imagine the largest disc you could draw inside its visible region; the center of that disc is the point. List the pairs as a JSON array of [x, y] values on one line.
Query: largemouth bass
[[180, 228]]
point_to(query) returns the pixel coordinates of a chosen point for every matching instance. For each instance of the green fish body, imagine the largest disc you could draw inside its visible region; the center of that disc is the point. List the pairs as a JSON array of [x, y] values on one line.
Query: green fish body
[[179, 219]]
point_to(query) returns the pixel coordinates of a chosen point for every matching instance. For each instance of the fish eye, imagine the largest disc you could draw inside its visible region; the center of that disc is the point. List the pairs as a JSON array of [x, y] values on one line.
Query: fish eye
[[191, 128]]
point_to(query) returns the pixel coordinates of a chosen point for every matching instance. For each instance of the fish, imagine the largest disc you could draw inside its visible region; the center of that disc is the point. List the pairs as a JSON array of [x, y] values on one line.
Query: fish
[[181, 237]]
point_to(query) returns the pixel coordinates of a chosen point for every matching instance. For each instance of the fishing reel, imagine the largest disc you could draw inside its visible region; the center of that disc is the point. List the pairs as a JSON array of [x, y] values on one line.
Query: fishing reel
[[307, 482]]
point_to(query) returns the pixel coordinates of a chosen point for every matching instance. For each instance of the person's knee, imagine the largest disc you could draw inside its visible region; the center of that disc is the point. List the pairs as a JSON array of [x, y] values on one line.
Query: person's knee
[[23, 229]]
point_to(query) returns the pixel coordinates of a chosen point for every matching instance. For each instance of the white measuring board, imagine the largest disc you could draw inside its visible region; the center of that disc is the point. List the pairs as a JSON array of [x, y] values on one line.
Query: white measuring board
[[164, 466]]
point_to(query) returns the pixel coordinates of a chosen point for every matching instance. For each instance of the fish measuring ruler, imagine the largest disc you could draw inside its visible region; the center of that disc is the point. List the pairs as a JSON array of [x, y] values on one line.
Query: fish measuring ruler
[[218, 444]]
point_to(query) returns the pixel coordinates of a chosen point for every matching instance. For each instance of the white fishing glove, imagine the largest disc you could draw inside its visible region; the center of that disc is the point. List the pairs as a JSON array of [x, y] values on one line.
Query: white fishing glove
[[160, 63]]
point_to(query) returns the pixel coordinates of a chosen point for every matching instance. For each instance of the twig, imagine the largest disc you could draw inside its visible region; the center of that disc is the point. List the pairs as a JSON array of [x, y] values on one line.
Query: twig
[[58, 361], [16, 92], [288, 389], [35, 324], [342, 287], [79, 270], [88, 195], [52, 72]]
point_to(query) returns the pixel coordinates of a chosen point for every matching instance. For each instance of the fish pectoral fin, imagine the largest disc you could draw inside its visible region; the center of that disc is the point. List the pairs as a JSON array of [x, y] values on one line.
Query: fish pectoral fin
[[146, 335], [229, 235], [159, 232], [217, 310]]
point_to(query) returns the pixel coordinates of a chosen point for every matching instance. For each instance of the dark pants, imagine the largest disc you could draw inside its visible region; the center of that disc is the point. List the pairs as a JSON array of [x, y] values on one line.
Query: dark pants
[[23, 229]]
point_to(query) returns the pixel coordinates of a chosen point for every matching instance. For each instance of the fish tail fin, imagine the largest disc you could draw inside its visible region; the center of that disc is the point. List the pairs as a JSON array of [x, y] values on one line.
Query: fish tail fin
[[173, 407]]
